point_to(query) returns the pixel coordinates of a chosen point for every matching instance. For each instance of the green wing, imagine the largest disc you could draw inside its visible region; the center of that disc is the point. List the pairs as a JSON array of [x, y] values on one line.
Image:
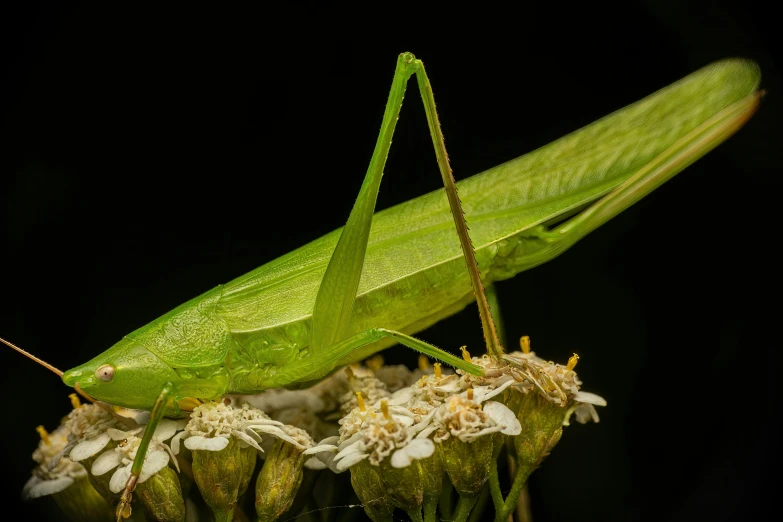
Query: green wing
[[411, 240]]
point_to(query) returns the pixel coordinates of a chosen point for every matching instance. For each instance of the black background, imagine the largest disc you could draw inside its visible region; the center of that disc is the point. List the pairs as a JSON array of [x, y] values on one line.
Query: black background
[[149, 154]]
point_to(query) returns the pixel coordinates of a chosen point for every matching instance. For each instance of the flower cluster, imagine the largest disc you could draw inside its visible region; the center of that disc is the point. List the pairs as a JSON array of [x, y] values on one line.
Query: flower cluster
[[398, 432]]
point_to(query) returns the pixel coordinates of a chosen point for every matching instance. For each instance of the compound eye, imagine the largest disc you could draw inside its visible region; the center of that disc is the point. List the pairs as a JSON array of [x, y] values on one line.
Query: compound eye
[[105, 373]]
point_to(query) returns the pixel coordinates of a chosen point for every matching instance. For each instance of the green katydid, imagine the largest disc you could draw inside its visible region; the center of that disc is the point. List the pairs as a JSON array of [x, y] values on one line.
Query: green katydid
[[382, 278]]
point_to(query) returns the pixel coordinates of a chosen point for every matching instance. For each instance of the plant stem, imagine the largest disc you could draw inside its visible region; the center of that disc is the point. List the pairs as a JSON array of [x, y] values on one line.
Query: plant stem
[[494, 487], [430, 509], [224, 515], [464, 506], [520, 478], [415, 515], [477, 514]]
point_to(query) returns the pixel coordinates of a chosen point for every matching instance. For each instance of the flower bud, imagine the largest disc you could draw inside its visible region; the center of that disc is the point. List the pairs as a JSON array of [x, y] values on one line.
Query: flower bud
[[81, 502], [468, 463], [162, 496], [371, 490], [279, 480], [218, 475], [405, 485], [542, 427]]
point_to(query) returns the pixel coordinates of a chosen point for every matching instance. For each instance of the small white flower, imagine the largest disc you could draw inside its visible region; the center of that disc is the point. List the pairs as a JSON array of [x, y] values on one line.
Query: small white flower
[[466, 420], [376, 433], [212, 424], [121, 456], [48, 479]]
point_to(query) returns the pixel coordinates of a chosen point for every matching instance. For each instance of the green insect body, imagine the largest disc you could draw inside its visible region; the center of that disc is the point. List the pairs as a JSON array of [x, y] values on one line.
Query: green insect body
[[254, 333]]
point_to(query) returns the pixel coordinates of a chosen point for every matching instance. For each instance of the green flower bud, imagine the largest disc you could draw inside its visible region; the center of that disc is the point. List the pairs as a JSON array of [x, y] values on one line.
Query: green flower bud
[[371, 490], [162, 496], [468, 463], [80, 502], [542, 427], [279, 480], [404, 486], [218, 475]]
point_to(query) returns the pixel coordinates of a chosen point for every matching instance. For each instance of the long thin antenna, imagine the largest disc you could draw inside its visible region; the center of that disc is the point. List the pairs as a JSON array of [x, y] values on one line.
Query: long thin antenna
[[33, 357]]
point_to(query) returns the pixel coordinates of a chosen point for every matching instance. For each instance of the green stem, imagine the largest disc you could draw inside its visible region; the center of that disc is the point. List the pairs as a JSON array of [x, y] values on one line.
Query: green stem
[[464, 507], [223, 515], [478, 510], [494, 487], [520, 478], [430, 509], [415, 515]]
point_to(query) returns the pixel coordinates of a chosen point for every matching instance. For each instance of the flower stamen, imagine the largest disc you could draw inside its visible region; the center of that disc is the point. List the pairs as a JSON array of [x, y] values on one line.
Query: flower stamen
[[385, 409], [360, 400], [374, 363], [572, 362], [424, 363], [524, 343], [44, 435], [466, 354], [75, 402], [438, 373]]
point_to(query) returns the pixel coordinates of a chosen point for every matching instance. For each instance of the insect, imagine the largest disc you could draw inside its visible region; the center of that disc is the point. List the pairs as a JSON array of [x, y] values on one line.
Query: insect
[[360, 289]]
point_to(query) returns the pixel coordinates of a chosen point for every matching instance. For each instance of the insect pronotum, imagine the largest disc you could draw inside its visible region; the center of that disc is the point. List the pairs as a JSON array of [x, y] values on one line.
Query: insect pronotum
[[358, 290]]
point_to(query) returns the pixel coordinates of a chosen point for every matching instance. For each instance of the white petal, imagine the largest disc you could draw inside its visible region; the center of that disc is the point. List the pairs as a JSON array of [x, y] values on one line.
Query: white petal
[[31, 483], [400, 459], [314, 463], [353, 448], [165, 430], [403, 420], [350, 440], [106, 461], [280, 434], [116, 434], [467, 437], [416, 449], [420, 448], [247, 439], [142, 417], [489, 392], [206, 444], [49, 487], [330, 440], [155, 461], [584, 413], [503, 417], [88, 448], [175, 442], [320, 448], [426, 432], [452, 387], [119, 479], [590, 398], [172, 456], [401, 396], [350, 460]]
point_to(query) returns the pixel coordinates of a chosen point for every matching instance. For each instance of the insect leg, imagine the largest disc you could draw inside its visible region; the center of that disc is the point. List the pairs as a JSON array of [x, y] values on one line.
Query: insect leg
[[167, 393], [337, 292], [310, 369], [679, 155]]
